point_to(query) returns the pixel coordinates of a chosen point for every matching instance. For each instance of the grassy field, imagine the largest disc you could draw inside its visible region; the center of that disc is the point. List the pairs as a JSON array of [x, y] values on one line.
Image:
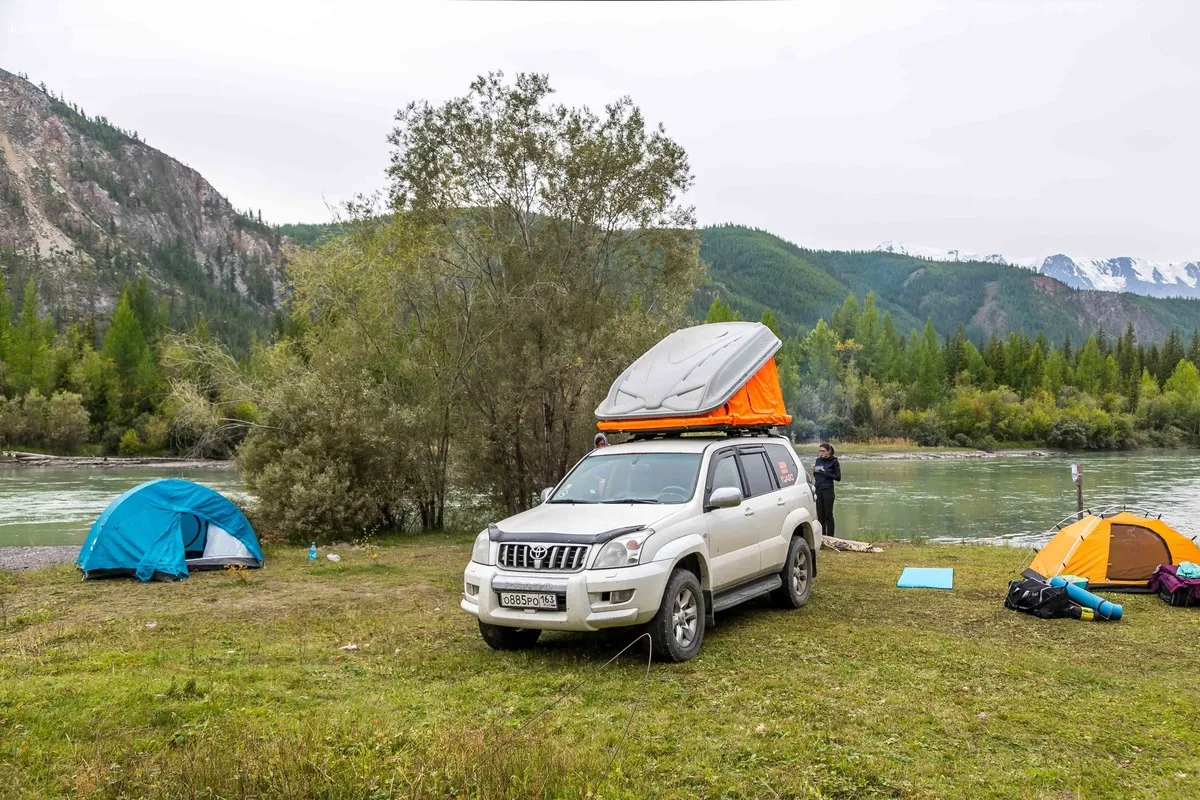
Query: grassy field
[[244, 684]]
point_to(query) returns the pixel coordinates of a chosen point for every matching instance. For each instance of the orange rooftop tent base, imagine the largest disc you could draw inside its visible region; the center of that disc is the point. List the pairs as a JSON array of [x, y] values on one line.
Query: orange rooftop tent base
[[708, 377]]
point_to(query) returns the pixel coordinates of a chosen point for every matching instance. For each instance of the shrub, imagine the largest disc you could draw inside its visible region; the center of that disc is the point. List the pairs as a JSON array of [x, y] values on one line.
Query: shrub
[[1069, 434], [131, 443], [66, 421]]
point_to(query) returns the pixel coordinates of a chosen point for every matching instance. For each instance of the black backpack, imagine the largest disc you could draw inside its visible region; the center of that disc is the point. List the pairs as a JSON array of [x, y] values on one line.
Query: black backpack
[[1039, 598]]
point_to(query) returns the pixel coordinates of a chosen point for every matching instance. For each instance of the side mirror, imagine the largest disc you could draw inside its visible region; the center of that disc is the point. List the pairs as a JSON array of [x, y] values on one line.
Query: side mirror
[[725, 497], [549, 490]]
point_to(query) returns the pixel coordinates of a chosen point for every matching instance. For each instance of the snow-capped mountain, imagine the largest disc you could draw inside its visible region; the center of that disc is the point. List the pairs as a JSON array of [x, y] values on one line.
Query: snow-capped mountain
[[1123, 274]]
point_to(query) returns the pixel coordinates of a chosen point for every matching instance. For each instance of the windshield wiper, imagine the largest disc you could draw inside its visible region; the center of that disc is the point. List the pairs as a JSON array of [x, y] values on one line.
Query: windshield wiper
[[571, 502], [635, 500]]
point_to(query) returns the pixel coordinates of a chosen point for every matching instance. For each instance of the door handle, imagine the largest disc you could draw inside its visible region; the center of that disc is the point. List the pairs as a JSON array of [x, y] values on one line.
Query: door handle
[[779, 501], [749, 512]]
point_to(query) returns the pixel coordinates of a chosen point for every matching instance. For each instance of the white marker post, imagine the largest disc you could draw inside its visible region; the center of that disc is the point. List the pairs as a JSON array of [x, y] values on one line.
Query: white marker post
[[1077, 479]]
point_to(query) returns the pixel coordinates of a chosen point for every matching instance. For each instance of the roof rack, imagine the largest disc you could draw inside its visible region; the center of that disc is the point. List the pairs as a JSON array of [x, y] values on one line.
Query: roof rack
[[677, 433]]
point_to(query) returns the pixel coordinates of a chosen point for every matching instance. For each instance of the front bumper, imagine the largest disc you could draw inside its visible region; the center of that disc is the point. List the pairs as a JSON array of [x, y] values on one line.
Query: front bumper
[[585, 610]]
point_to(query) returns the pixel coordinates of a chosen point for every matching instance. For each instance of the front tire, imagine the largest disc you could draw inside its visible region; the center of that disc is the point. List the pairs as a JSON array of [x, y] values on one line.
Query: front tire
[[498, 637], [677, 630], [797, 575]]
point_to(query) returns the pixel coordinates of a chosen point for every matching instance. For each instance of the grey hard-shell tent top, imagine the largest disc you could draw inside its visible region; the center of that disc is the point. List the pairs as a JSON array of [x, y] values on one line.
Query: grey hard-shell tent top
[[690, 372]]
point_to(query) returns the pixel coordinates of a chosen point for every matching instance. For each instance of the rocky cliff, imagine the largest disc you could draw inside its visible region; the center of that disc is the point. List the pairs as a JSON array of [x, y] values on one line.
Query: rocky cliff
[[86, 206]]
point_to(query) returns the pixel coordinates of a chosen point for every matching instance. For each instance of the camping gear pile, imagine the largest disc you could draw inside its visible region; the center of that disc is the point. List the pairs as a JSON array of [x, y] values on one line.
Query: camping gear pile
[[1177, 585], [162, 529], [1114, 550]]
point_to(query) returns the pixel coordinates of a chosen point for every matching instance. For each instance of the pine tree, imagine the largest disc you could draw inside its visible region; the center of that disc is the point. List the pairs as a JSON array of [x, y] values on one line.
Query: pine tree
[[720, 311], [929, 369], [6, 315], [1151, 360], [1193, 353], [28, 349], [1089, 375], [1170, 356], [1066, 349], [768, 319], [845, 317], [996, 359], [124, 343]]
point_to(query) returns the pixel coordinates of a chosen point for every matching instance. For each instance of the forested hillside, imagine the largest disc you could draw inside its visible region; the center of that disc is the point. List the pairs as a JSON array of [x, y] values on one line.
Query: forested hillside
[[753, 270]]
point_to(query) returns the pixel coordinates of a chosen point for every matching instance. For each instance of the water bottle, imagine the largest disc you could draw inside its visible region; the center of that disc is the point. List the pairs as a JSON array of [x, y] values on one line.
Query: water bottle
[[312, 552]]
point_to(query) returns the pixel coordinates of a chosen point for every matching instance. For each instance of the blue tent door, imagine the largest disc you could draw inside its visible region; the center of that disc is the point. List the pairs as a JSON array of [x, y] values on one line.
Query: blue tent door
[[193, 535]]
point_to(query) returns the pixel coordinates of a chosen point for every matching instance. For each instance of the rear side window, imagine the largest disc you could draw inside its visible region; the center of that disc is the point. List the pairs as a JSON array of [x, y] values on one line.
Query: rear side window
[[757, 475], [783, 464]]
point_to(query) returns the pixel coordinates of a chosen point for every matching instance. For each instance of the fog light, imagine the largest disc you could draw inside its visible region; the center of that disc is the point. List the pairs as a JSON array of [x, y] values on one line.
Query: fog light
[[472, 590], [622, 596]]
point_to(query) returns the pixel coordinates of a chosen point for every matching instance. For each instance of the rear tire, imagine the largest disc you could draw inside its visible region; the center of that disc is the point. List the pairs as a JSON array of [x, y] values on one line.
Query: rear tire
[[677, 630], [498, 637], [797, 575]]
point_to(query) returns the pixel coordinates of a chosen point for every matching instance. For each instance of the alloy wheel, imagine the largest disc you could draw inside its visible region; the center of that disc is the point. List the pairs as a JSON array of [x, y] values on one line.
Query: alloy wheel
[[685, 618]]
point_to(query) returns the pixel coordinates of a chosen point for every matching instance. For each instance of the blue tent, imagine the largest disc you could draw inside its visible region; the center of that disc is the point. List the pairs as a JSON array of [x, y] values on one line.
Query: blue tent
[[164, 527]]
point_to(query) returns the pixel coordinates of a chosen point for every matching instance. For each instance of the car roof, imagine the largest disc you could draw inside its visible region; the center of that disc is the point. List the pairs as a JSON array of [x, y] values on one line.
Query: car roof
[[685, 444]]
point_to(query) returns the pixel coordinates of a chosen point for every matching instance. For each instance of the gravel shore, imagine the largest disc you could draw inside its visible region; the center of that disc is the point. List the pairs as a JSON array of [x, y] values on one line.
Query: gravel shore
[[13, 558]]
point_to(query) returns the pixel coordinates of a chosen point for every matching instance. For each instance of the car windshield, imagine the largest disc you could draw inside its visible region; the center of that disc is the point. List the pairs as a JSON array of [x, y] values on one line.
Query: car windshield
[[631, 478]]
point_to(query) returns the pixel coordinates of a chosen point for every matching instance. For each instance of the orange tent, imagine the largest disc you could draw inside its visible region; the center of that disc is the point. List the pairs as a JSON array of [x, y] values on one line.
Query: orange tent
[[1118, 551], [758, 403]]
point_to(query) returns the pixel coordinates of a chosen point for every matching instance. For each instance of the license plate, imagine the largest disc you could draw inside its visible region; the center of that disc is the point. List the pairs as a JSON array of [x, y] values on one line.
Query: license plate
[[528, 600]]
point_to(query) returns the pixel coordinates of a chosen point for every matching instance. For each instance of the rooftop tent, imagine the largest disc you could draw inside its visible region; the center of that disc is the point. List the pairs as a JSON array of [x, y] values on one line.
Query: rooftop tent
[[163, 528], [701, 378], [1114, 551]]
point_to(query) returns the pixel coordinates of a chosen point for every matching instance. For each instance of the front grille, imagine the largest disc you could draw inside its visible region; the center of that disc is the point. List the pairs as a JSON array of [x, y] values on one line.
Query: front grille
[[543, 557]]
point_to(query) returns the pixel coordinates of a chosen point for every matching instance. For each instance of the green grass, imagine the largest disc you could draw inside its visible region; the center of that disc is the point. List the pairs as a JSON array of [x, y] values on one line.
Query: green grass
[[236, 685]]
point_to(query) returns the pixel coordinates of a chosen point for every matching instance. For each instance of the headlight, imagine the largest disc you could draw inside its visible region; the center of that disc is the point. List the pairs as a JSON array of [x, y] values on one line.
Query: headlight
[[481, 553], [623, 551]]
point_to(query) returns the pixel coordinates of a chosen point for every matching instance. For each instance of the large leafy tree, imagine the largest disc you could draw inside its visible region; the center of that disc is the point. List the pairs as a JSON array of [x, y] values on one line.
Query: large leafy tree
[[566, 248]]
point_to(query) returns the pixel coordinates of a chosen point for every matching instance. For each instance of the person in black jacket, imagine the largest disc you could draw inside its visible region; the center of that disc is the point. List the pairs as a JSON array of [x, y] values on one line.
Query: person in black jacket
[[826, 470]]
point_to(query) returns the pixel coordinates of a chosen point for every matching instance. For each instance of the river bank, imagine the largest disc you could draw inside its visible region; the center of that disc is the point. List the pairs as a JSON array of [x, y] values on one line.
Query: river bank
[[18, 458], [851, 451], [14, 559]]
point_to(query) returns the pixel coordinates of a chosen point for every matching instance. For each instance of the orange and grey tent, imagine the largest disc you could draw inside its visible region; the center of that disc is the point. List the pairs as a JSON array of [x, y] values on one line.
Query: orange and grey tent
[[1117, 551], [708, 377]]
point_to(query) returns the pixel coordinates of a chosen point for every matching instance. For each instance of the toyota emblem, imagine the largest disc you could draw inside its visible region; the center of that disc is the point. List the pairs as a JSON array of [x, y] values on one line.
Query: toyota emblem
[[537, 552]]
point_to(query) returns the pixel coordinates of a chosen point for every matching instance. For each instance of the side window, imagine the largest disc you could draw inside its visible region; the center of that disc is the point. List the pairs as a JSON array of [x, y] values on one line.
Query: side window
[[726, 473], [783, 464], [758, 478]]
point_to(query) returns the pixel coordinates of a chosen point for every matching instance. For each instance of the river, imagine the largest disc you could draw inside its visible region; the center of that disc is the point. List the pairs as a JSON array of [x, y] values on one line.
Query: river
[[57, 506], [1005, 499]]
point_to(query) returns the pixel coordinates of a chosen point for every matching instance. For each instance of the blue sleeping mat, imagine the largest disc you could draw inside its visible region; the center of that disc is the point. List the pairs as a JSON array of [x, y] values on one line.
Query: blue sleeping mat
[[926, 578]]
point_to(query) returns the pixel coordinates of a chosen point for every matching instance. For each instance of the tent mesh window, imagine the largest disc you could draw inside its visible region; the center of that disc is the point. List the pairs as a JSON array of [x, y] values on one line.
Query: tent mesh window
[[1135, 552]]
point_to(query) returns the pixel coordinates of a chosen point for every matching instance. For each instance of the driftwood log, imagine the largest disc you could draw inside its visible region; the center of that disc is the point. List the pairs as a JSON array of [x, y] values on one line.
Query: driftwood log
[[848, 545]]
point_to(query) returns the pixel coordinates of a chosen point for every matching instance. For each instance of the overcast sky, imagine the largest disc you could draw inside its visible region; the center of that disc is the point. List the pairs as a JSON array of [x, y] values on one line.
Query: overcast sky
[[1025, 128]]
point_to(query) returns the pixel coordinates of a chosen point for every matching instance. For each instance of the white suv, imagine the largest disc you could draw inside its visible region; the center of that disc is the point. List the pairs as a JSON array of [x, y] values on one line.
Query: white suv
[[663, 532]]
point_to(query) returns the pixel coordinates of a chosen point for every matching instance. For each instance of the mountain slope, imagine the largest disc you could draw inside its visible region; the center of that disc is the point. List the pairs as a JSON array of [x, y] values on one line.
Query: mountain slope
[[85, 207], [753, 269]]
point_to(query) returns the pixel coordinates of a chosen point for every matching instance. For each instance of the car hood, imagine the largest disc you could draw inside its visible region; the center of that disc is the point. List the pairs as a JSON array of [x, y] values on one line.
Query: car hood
[[584, 518]]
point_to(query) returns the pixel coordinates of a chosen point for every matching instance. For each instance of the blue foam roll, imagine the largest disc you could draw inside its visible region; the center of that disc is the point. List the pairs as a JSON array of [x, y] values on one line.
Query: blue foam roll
[[1103, 608]]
